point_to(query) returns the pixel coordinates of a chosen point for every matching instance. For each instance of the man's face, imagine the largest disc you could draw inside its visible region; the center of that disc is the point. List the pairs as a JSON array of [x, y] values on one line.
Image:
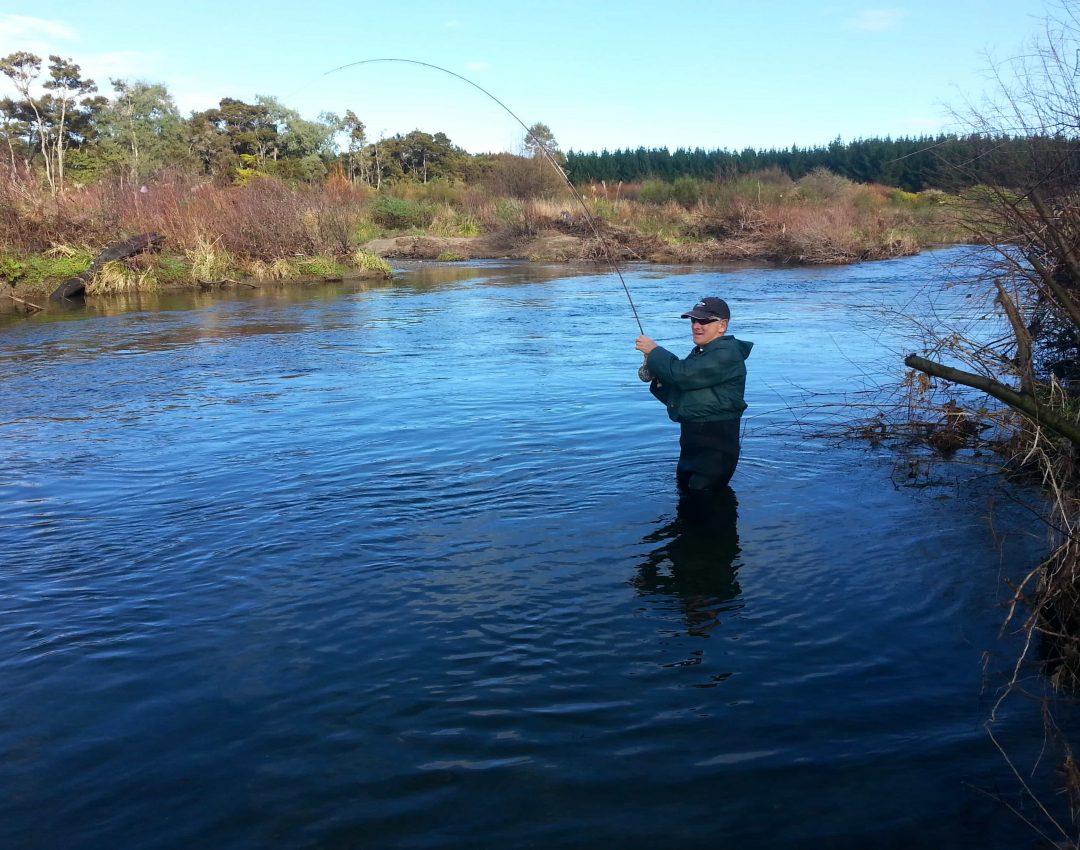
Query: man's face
[[705, 332]]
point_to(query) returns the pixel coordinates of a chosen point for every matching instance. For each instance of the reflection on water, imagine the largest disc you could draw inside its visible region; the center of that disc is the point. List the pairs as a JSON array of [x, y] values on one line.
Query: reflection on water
[[695, 562], [410, 276]]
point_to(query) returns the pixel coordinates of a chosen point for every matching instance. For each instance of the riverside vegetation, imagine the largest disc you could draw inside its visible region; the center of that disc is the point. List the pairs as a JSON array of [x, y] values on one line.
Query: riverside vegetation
[[267, 229], [1019, 391], [253, 191]]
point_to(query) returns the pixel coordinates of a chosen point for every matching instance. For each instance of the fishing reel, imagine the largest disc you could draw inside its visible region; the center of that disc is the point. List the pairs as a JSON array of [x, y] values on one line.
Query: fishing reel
[[643, 371]]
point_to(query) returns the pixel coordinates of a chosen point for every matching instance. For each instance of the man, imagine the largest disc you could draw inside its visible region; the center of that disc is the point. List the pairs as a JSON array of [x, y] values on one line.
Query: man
[[704, 394]]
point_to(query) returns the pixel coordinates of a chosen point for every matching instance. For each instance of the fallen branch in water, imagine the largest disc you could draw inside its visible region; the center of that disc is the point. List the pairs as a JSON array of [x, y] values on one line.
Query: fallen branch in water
[[1021, 402], [29, 305]]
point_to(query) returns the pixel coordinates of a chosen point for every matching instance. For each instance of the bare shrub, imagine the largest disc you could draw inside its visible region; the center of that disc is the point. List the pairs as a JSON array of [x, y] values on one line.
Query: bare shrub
[[522, 178], [822, 185]]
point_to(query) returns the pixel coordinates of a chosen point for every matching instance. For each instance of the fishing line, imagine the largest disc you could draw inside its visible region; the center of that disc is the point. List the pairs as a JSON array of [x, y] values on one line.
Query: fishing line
[[593, 226]]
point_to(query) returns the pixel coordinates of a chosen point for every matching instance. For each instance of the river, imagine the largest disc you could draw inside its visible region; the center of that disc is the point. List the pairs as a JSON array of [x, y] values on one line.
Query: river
[[403, 565]]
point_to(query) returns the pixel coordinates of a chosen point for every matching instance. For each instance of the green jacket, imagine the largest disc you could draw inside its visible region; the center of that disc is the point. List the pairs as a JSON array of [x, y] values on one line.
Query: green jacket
[[707, 386]]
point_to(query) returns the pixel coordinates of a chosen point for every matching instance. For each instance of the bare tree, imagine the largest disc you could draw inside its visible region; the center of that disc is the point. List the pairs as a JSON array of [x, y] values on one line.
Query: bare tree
[[1025, 206]]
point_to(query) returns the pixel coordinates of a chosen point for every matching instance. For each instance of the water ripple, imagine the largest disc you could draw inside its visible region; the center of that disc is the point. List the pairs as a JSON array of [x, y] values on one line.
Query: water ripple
[[405, 566]]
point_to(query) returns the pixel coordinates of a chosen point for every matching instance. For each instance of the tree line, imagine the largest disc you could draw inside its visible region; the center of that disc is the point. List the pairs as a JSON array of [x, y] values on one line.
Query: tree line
[[60, 127], [913, 164]]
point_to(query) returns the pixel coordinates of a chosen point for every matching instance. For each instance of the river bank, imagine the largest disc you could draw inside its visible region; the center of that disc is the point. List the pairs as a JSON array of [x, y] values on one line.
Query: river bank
[[35, 277], [267, 231]]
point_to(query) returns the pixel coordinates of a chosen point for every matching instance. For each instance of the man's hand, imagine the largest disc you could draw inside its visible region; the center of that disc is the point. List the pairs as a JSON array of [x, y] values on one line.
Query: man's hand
[[644, 345]]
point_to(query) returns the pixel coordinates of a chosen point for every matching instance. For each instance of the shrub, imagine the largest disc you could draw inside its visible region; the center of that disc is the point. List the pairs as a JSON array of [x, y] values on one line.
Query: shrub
[[934, 196], [436, 191], [867, 200], [510, 215], [602, 208], [687, 191], [331, 229], [900, 197], [364, 230], [655, 192], [11, 270], [822, 185], [399, 213]]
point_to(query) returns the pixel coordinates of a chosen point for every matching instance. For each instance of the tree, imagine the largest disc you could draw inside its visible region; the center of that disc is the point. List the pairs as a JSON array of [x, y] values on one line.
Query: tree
[[23, 69], [209, 144], [17, 126], [1026, 204], [419, 156], [67, 85], [247, 127], [539, 139], [59, 118], [296, 137], [144, 126], [357, 136]]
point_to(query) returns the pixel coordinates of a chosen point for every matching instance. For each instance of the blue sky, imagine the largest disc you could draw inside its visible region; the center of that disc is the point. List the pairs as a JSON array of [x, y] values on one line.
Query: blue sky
[[685, 73]]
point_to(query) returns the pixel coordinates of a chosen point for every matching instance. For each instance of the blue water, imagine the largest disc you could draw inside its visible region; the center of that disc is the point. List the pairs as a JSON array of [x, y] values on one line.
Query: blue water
[[404, 565]]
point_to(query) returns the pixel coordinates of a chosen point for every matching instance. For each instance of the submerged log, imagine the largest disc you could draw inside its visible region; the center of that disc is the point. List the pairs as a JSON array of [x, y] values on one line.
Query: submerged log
[[29, 305], [120, 251]]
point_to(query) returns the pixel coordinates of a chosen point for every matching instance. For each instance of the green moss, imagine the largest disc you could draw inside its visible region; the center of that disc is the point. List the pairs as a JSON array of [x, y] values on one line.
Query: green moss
[[171, 270], [38, 272], [450, 257]]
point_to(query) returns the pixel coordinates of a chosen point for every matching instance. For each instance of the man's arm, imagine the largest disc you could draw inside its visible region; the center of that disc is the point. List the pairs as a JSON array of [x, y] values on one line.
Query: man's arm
[[693, 373]]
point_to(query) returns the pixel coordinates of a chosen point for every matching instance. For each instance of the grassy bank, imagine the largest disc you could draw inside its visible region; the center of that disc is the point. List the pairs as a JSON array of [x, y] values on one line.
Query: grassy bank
[[268, 230]]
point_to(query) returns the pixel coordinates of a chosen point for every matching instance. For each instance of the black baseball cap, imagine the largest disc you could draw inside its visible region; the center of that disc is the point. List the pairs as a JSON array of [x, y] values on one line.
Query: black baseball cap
[[708, 308]]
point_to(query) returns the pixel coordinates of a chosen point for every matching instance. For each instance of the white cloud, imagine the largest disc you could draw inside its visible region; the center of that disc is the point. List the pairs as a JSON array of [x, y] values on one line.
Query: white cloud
[[15, 28], [34, 35], [876, 20]]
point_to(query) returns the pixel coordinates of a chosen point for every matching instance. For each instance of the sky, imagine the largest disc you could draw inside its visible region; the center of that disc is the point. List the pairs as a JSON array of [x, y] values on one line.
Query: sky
[[682, 73]]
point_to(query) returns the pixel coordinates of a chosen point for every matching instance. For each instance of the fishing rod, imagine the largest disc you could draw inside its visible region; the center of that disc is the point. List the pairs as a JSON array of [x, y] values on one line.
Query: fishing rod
[[605, 247]]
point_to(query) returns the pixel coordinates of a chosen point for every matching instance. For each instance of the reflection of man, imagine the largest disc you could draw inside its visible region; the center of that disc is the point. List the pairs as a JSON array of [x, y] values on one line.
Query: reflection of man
[[695, 562], [704, 394]]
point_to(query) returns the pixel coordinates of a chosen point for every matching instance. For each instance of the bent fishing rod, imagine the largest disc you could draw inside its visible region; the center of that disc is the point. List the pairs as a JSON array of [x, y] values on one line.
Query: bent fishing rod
[[605, 247]]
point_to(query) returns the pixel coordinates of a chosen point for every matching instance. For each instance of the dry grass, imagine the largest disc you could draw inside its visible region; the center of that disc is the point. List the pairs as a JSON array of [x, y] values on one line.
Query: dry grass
[[209, 261], [821, 219], [116, 277], [371, 263]]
